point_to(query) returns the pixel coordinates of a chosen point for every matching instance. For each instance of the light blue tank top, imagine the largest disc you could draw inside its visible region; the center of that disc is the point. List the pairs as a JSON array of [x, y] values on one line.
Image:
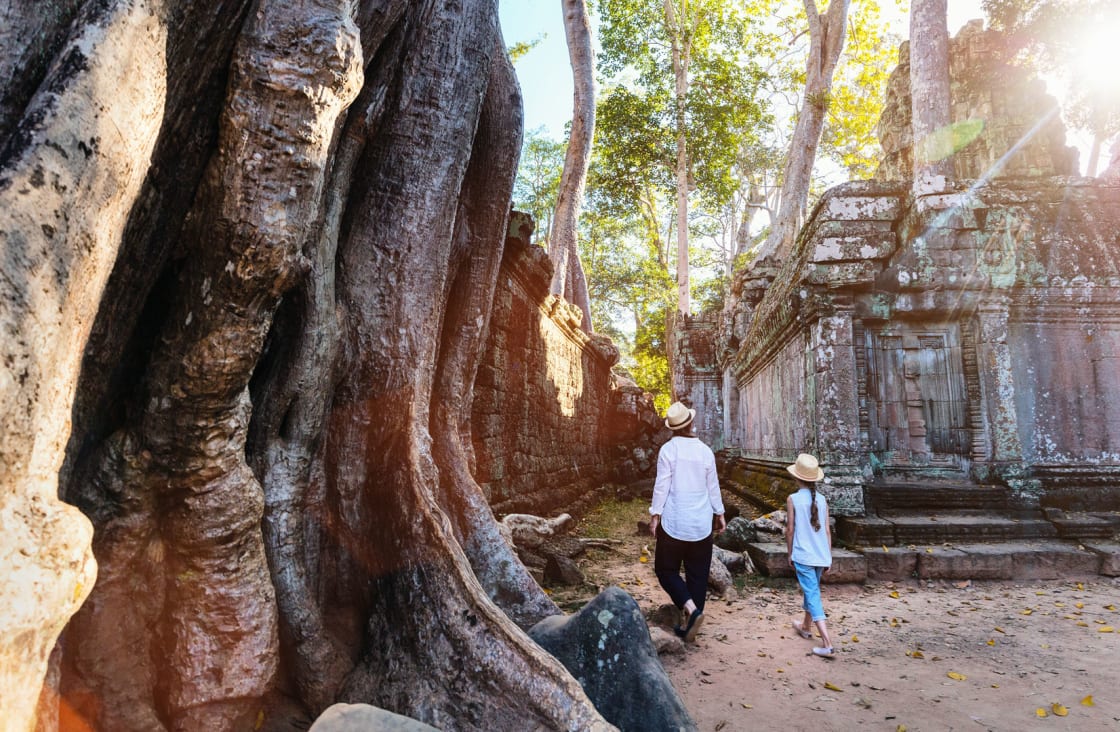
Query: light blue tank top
[[809, 547]]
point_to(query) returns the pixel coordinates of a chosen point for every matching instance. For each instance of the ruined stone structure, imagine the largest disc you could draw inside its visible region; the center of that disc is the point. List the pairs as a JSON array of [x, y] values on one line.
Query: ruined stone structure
[[1004, 125], [550, 422], [694, 341], [968, 338]]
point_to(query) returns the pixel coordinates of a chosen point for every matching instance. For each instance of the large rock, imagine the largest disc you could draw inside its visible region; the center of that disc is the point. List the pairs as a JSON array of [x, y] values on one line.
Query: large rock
[[719, 578], [364, 718], [607, 647], [738, 534]]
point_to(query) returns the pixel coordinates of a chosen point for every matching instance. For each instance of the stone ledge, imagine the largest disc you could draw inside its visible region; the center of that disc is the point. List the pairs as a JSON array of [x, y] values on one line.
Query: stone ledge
[[1109, 554], [770, 559]]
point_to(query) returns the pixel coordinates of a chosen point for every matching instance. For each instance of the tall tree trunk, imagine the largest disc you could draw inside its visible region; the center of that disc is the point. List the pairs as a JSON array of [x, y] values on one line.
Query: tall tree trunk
[[70, 171], [272, 435], [826, 40], [568, 278], [680, 48], [929, 92]]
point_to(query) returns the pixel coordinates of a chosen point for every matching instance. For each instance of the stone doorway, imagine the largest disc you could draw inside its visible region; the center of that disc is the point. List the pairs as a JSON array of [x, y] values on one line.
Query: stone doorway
[[916, 397]]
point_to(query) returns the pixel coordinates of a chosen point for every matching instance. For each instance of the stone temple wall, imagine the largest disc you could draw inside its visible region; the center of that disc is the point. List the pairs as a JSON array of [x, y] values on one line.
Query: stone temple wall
[[550, 422], [971, 335], [696, 377]]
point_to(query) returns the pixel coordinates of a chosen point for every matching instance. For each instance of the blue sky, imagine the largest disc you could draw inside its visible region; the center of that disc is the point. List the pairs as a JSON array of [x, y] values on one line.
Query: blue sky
[[546, 78]]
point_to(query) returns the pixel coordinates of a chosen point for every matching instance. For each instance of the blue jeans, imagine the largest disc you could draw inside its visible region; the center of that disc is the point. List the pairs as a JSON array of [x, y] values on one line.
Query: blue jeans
[[810, 580]]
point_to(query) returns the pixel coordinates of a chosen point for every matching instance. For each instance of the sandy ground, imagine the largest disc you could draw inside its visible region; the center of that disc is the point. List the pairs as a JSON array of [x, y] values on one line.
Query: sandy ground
[[910, 656]]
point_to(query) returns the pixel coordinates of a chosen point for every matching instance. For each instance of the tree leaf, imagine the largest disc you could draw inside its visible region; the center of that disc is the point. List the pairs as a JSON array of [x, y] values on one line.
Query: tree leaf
[[831, 686], [1041, 713], [1058, 710], [894, 594], [956, 676], [1105, 629], [1087, 701]]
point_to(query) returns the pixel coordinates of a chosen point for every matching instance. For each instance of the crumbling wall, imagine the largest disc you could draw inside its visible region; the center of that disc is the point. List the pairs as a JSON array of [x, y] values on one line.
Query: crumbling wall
[[550, 422], [693, 342], [1004, 125]]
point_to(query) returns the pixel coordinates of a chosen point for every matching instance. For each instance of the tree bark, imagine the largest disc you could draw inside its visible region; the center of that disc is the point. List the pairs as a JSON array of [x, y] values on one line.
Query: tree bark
[[272, 423], [680, 48], [70, 170], [929, 92], [826, 41], [568, 278]]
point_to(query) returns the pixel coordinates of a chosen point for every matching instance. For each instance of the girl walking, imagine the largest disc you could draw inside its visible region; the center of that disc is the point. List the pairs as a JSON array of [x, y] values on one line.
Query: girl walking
[[809, 545]]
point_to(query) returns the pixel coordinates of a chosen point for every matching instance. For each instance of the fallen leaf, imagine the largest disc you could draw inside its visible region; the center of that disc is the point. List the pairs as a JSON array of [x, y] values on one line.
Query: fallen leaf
[[995, 686], [1111, 608], [1058, 710], [1079, 605], [1082, 624], [1028, 611], [1080, 586], [885, 549], [991, 641], [900, 728], [894, 594], [855, 638], [1087, 701], [1041, 713], [643, 559], [1000, 630], [831, 686], [956, 676], [745, 706], [915, 654], [1105, 629], [929, 551]]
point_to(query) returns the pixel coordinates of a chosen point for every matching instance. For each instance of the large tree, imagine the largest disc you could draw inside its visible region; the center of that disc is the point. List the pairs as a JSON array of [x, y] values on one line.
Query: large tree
[[568, 279], [302, 205]]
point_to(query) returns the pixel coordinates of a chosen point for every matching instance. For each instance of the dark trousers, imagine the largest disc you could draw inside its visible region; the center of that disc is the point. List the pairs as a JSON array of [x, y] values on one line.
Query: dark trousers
[[696, 556]]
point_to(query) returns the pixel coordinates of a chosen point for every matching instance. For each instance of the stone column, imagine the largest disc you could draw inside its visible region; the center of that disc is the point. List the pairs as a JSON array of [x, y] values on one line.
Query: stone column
[[837, 409], [997, 381]]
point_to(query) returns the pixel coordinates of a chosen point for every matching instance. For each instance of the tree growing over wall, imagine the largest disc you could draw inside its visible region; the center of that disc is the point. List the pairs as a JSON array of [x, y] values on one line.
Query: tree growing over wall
[[275, 227]]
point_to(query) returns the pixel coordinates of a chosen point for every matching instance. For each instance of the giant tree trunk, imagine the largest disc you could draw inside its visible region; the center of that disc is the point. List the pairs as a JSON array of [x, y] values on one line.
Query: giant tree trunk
[[826, 40], [929, 90], [271, 431], [680, 34], [568, 279]]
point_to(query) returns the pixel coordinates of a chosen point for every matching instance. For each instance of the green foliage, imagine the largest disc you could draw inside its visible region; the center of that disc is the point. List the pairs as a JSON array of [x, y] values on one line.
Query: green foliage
[[538, 180], [519, 50]]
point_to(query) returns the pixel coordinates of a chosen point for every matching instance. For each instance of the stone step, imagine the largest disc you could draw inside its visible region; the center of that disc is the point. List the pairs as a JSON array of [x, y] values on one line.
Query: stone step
[[1020, 560], [901, 529], [1014, 560], [935, 496], [770, 559], [1082, 526]]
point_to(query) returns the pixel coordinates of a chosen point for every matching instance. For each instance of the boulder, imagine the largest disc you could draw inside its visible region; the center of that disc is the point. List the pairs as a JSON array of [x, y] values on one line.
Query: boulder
[[607, 647], [561, 571], [526, 530], [364, 718], [738, 534], [719, 579], [736, 562]]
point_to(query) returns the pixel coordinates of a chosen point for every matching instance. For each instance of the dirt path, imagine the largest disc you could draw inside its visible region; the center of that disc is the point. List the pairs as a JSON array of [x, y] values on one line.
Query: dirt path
[[915, 655]]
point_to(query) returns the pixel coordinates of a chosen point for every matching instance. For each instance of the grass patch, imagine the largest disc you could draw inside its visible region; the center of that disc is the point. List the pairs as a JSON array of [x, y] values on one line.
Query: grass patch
[[613, 519]]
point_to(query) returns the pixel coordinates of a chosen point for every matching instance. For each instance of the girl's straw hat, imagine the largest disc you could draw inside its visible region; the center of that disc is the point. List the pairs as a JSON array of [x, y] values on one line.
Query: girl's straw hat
[[806, 468]]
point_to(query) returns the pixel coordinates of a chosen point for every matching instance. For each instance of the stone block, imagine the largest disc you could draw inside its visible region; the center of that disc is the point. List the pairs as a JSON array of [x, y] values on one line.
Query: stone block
[[1109, 554], [771, 560], [1055, 561], [847, 567], [853, 248], [890, 564], [944, 563], [848, 208]]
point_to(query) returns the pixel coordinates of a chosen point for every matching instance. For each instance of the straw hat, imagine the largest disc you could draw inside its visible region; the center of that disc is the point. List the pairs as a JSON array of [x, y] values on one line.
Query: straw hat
[[679, 416], [806, 468]]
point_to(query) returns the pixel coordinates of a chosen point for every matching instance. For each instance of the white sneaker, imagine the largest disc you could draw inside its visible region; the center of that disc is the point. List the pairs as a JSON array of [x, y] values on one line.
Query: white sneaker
[[823, 652]]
